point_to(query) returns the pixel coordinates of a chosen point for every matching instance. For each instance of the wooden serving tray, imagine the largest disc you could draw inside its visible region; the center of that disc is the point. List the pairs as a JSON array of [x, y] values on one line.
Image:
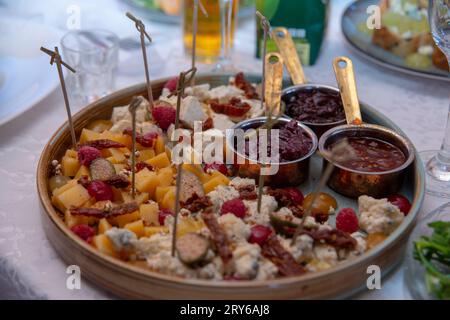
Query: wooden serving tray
[[136, 281]]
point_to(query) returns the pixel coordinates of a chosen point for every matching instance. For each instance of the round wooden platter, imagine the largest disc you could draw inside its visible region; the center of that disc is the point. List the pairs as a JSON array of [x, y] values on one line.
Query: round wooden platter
[[136, 281]]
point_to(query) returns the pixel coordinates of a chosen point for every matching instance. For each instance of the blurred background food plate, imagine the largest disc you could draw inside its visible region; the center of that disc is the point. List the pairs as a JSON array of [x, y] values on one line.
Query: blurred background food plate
[[360, 38]]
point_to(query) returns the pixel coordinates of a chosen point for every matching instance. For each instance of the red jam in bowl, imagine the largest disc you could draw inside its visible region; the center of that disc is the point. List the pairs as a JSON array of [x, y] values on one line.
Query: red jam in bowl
[[314, 106], [373, 155]]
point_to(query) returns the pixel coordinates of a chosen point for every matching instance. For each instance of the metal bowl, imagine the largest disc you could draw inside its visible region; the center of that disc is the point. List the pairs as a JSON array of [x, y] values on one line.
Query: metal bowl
[[318, 128], [354, 183], [291, 173]]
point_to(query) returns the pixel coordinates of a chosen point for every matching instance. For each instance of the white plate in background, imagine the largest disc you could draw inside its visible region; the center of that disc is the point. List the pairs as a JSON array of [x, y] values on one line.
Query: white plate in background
[[26, 76]]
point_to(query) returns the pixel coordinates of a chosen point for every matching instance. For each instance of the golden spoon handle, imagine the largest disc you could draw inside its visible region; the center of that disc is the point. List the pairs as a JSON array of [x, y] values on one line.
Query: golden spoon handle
[[274, 82], [345, 77], [287, 49]]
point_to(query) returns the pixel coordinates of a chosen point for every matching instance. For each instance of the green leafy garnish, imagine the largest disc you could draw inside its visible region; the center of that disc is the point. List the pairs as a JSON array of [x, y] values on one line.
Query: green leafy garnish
[[434, 255]]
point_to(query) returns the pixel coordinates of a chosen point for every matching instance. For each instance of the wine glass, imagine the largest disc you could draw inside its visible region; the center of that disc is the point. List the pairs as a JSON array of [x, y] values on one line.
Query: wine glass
[[228, 12], [437, 162]]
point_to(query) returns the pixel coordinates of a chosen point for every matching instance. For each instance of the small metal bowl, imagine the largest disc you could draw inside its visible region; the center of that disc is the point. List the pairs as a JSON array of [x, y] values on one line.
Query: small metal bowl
[[318, 128], [291, 173], [353, 183]]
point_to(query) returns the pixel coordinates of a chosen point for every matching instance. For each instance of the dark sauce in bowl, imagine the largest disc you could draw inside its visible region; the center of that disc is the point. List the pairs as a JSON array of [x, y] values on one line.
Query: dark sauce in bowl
[[314, 105], [373, 155], [294, 142]]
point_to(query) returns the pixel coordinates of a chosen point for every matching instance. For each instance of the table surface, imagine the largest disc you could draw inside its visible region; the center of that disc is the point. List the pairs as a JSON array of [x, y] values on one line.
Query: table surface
[[30, 268]]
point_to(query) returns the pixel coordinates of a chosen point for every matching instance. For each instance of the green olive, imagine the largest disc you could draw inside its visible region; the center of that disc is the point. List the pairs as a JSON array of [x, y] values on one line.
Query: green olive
[[56, 182]]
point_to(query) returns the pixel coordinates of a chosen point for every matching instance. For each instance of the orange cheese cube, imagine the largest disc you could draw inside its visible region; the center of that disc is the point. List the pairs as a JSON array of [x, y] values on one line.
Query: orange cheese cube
[[103, 226], [159, 161], [165, 177], [70, 166], [137, 227], [159, 145], [104, 245], [214, 182], [122, 220], [83, 171], [88, 135], [149, 213], [161, 192], [146, 181], [75, 196]]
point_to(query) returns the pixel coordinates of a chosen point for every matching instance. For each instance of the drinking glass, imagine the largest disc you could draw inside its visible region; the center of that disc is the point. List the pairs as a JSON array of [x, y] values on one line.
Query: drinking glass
[[227, 11], [437, 162], [215, 31], [94, 56]]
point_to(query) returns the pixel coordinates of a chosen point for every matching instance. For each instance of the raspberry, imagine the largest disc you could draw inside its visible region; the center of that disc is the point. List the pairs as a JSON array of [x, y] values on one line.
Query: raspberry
[[295, 195], [216, 166], [235, 206], [163, 214], [100, 191], [401, 202], [84, 231], [259, 234], [88, 154], [164, 116], [171, 84], [347, 221]]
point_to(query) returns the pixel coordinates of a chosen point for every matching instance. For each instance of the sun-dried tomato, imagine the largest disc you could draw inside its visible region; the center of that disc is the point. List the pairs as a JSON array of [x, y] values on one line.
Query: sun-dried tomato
[[103, 144], [218, 236], [296, 210], [333, 237], [118, 181], [247, 192], [244, 85], [141, 165], [118, 210], [234, 108], [124, 208], [281, 196], [88, 212], [207, 124], [196, 203], [283, 259], [146, 140]]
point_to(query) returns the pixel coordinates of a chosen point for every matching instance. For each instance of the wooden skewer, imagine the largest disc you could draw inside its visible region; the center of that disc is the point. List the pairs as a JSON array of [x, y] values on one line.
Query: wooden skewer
[[135, 102], [265, 24], [143, 34], [266, 29], [56, 58], [183, 80]]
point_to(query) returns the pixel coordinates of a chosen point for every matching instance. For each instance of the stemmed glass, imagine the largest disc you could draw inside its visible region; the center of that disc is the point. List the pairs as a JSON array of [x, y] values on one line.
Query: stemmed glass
[[437, 162], [228, 12]]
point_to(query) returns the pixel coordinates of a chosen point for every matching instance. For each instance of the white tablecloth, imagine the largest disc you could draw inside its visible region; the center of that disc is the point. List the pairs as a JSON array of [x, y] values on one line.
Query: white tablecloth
[[29, 267]]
